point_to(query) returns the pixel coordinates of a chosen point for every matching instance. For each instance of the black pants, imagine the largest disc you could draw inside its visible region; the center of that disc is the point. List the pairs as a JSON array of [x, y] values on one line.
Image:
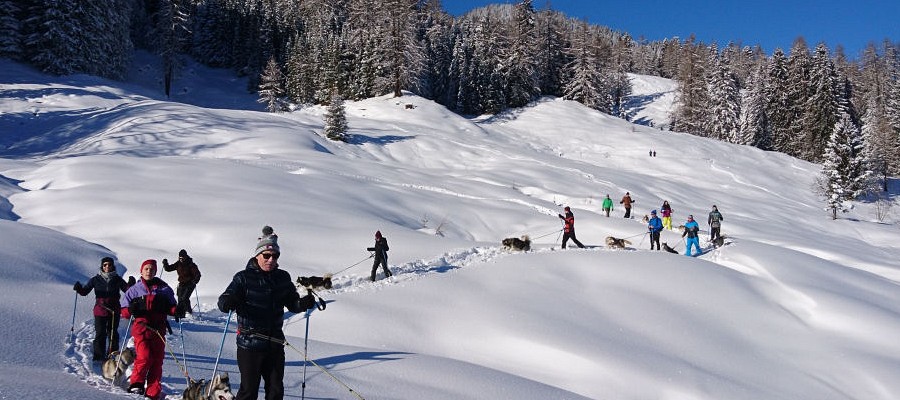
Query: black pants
[[627, 212], [571, 235], [714, 233], [105, 327], [255, 366], [383, 263], [183, 293], [654, 238]]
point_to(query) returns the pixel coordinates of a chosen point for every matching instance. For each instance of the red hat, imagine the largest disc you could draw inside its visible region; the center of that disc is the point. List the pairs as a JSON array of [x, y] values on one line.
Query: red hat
[[566, 208], [150, 261], [378, 234]]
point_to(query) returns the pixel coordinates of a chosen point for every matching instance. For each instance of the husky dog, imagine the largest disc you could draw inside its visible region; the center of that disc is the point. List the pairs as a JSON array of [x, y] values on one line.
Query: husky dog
[[315, 282], [115, 367], [645, 219], [719, 241], [221, 389], [666, 247], [616, 243], [523, 244]]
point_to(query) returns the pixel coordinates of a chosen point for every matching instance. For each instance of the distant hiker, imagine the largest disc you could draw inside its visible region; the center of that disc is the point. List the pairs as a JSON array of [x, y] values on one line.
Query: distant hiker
[[692, 231], [655, 226], [654, 153], [651, 153], [259, 294], [107, 286], [666, 211], [715, 223], [627, 202], [381, 248], [148, 301], [569, 228], [607, 205], [188, 277]]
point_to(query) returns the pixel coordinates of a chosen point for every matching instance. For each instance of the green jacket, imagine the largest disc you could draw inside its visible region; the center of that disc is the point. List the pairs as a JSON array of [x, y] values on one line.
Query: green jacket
[[607, 203]]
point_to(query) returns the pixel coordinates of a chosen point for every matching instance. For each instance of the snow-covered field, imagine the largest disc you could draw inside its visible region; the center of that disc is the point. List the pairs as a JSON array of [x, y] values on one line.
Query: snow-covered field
[[796, 306]]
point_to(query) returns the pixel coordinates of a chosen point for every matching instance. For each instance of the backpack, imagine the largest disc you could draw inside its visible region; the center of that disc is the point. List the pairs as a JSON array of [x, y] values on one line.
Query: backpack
[[715, 219]]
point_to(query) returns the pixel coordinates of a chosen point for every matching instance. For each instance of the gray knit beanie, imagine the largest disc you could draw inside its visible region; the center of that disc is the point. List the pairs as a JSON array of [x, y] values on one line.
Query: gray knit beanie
[[269, 241]]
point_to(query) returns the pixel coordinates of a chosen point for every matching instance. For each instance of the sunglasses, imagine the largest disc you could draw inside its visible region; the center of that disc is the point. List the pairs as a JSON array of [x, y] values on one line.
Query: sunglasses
[[270, 255]]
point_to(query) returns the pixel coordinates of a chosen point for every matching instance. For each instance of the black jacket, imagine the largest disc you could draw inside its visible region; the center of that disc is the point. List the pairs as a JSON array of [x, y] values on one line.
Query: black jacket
[[381, 248], [107, 292], [262, 298]]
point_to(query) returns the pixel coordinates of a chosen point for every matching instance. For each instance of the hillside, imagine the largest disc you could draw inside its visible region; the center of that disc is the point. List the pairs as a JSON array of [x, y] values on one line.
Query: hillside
[[796, 305]]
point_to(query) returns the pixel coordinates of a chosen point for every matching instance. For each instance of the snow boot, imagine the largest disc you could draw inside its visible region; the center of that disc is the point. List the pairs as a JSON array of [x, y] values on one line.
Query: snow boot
[[136, 388]]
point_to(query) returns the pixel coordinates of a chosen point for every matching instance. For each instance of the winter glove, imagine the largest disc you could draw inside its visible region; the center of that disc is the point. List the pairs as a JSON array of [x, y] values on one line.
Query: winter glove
[[137, 307], [228, 303], [560, 216], [306, 302], [77, 286], [165, 263], [131, 281], [161, 304]]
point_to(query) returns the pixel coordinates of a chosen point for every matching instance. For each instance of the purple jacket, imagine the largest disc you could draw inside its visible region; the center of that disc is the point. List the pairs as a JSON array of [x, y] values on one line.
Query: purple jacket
[[150, 290]]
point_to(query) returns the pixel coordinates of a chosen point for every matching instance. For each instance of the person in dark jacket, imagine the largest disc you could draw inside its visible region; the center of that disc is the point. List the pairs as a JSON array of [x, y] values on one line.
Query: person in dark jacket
[[569, 228], [149, 302], [259, 294], [381, 248], [715, 223], [107, 286], [188, 278]]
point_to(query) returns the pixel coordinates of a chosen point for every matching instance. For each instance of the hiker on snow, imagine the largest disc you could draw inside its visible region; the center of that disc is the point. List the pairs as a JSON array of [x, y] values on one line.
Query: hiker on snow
[[627, 202], [381, 248], [692, 231], [569, 228], [188, 277], [666, 211], [655, 226], [259, 294], [607, 205], [107, 285], [715, 223], [149, 302]]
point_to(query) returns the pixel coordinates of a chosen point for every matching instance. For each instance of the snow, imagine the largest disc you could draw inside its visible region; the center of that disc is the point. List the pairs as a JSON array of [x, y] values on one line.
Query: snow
[[796, 305]]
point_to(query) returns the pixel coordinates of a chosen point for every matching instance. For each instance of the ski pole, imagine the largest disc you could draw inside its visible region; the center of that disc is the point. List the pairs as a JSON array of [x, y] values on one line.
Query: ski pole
[[642, 239], [72, 330], [197, 296], [221, 346], [305, 356]]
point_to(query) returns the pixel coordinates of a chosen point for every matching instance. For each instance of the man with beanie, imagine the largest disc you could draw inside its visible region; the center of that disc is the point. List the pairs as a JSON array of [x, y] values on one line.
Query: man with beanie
[[380, 249], [107, 286], [149, 302], [188, 278], [569, 228], [259, 294], [655, 226], [715, 224]]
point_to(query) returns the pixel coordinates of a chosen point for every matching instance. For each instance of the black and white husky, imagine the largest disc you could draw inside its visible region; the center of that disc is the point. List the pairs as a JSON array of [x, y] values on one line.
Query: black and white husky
[[523, 244], [198, 390]]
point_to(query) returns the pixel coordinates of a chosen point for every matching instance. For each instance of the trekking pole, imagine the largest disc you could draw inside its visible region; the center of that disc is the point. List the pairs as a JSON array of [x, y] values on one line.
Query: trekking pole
[[183, 356], [121, 349], [305, 356], [72, 330], [197, 296], [222, 345], [642, 239]]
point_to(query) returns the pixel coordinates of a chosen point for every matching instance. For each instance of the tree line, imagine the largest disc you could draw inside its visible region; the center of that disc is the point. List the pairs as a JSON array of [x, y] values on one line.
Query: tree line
[[493, 58]]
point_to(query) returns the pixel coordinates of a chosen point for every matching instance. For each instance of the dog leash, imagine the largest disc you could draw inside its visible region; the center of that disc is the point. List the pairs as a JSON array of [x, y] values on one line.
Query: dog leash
[[360, 262], [169, 348], [285, 343]]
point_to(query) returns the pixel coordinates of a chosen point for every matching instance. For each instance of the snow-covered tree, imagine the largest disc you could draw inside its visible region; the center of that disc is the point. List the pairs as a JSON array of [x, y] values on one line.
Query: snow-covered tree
[[779, 109], [692, 95], [336, 119], [843, 168], [271, 87], [10, 30], [754, 124], [725, 107], [585, 83], [520, 67], [820, 109]]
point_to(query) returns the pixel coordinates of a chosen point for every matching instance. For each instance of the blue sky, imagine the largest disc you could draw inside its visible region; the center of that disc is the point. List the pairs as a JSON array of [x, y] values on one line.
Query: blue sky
[[771, 24]]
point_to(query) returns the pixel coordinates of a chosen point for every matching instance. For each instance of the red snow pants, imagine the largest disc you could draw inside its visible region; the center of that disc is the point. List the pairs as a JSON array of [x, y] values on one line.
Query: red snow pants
[[150, 350]]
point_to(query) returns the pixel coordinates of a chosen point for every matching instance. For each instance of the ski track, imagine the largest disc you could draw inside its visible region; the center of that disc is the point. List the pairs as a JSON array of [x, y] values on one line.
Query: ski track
[[78, 355]]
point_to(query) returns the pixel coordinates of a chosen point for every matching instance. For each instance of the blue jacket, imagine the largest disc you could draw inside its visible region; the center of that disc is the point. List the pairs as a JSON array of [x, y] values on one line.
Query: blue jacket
[[691, 229], [263, 296], [655, 225]]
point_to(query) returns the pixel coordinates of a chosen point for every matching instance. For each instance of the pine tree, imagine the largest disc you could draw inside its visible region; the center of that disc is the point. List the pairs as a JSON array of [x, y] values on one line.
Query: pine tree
[[10, 30], [843, 168], [520, 67], [725, 108], [820, 110], [336, 120], [550, 54], [585, 83], [271, 87], [754, 125], [779, 109], [692, 96]]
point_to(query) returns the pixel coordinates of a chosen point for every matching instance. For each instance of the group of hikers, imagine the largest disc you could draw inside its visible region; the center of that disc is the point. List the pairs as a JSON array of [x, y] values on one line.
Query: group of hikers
[[655, 224], [258, 294]]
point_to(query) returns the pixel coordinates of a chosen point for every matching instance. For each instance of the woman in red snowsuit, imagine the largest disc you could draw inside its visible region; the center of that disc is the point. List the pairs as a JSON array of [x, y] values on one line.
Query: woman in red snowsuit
[[149, 301]]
